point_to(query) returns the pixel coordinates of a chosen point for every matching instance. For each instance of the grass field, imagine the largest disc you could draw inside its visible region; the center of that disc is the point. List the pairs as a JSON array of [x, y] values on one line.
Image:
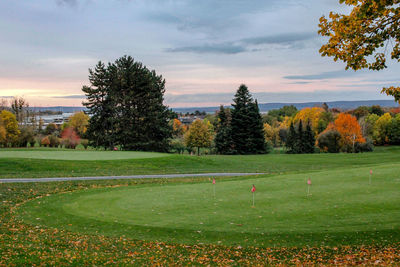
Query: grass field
[[346, 220], [76, 155], [269, 164], [343, 209]]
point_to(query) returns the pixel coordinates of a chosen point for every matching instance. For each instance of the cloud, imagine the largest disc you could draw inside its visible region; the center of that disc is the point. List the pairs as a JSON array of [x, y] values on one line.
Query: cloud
[[71, 96], [225, 48], [243, 45], [322, 75], [287, 38], [67, 2]]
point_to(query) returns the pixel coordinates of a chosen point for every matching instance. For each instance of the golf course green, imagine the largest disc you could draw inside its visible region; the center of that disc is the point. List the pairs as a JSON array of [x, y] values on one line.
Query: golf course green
[[74, 155], [345, 206]]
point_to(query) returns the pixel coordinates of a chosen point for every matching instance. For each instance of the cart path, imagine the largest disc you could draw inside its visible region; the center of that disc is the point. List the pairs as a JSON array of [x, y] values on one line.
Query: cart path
[[61, 179]]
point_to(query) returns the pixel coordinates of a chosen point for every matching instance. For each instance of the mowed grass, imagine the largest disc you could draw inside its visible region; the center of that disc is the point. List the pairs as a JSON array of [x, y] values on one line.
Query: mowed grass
[[170, 163], [76, 155], [344, 209]]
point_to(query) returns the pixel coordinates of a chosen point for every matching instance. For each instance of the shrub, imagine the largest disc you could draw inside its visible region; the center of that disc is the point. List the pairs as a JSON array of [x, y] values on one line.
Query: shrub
[[85, 143], [54, 141], [45, 141], [72, 138], [364, 147], [177, 146], [329, 141]]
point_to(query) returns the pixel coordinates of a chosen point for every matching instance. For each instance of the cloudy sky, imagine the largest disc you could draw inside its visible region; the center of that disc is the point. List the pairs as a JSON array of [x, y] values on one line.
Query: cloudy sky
[[204, 49]]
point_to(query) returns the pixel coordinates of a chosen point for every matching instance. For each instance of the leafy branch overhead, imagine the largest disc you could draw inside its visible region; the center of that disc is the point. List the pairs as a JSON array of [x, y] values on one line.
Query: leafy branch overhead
[[365, 37]]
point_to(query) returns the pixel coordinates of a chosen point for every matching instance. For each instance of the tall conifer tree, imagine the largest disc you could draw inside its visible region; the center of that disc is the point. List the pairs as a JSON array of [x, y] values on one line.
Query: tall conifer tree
[[223, 138], [125, 100], [245, 125]]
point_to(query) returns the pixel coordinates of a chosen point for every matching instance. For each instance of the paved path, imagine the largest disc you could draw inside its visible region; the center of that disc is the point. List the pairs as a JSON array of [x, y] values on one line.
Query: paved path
[[59, 179]]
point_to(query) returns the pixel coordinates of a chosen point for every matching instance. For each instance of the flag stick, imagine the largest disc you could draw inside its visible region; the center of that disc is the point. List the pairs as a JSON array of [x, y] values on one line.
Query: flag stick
[[253, 199], [214, 189], [308, 190]]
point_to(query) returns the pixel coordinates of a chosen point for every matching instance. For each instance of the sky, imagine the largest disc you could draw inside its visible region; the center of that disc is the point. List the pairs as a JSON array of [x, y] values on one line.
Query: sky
[[204, 49]]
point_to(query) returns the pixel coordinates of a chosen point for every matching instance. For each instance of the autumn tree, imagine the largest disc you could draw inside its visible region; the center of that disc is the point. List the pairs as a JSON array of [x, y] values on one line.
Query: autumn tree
[[20, 107], [10, 124], [310, 115], [200, 134], [349, 130], [381, 130], [394, 135], [364, 38], [79, 121], [70, 138], [178, 129]]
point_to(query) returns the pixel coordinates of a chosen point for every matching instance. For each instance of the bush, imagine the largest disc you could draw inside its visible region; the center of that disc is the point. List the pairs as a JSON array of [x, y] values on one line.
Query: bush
[[45, 141], [54, 141], [85, 143], [51, 128], [329, 141], [364, 147], [26, 136], [177, 146], [70, 138]]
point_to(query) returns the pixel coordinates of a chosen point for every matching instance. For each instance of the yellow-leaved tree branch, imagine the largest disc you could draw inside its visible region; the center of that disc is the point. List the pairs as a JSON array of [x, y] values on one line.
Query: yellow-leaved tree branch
[[365, 37]]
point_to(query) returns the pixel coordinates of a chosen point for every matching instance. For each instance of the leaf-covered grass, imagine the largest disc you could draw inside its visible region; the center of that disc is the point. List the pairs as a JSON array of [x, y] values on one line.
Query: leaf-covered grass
[[344, 209], [342, 199], [23, 244], [270, 164]]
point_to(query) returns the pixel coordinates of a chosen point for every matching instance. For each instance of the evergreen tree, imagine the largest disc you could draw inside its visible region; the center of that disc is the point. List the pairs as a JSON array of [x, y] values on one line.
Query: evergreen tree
[[223, 138], [256, 140], [299, 142], [246, 125], [291, 138], [125, 100], [309, 140]]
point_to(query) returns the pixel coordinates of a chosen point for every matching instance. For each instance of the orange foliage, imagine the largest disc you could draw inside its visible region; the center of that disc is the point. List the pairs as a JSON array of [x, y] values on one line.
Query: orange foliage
[[347, 125], [395, 110]]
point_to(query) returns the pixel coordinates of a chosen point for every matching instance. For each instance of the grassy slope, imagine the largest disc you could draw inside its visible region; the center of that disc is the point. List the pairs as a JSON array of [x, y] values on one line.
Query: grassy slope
[[344, 209], [76, 155], [271, 164]]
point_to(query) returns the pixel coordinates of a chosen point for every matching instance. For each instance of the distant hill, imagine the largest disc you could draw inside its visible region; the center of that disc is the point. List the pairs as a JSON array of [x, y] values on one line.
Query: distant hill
[[264, 107]]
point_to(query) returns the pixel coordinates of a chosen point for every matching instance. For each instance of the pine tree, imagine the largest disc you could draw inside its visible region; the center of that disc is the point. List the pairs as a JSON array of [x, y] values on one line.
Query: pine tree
[[299, 142], [223, 138], [256, 139], [247, 128], [125, 100], [291, 138], [100, 104], [309, 140], [240, 119]]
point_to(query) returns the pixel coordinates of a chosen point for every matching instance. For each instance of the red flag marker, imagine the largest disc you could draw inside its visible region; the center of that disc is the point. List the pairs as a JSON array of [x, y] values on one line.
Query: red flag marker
[[308, 186], [253, 190], [213, 181]]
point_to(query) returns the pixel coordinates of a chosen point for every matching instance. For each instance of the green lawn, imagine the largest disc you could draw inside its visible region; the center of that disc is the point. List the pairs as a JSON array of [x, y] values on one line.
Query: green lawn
[[75, 155], [170, 163], [344, 209]]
